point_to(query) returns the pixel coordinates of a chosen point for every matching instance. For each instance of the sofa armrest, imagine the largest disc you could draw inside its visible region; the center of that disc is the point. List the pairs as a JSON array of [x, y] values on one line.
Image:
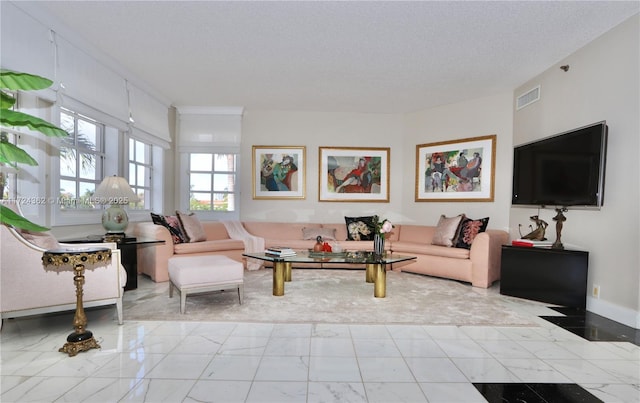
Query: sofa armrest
[[29, 288], [485, 255], [153, 260]]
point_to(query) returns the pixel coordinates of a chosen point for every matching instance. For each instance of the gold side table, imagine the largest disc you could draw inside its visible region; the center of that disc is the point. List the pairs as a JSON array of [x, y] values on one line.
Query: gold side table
[[81, 339]]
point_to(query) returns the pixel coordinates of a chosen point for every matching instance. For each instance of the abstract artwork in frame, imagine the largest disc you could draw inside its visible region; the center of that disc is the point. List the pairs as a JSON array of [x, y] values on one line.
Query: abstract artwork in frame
[[458, 170], [279, 172], [355, 174]]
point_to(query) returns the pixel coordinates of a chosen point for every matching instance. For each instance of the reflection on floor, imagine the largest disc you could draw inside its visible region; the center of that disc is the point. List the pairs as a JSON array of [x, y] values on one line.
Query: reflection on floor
[[593, 327], [177, 361], [582, 323]]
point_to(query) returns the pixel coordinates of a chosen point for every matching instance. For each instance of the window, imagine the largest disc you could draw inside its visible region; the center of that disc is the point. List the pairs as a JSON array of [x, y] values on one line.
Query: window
[[212, 182], [8, 178], [140, 178], [80, 160]]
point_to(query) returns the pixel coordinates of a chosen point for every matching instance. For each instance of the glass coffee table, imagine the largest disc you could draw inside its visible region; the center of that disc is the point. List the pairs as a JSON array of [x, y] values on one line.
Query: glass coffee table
[[375, 266]]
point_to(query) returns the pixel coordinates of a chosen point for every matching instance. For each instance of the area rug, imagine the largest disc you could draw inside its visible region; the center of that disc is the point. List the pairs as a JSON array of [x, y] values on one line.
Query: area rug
[[331, 296]]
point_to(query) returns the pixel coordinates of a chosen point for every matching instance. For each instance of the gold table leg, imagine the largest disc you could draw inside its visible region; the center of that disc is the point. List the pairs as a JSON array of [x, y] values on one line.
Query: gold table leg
[[278, 278], [287, 271], [82, 339], [370, 276], [380, 287]]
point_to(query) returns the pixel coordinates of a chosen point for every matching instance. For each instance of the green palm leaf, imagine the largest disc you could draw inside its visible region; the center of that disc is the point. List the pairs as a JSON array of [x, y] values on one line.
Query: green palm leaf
[[10, 217], [12, 118], [13, 80], [6, 100], [10, 154]]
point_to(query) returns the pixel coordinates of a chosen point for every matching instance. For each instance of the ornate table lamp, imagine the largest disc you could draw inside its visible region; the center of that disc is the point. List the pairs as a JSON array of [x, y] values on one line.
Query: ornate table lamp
[[81, 339], [115, 190]]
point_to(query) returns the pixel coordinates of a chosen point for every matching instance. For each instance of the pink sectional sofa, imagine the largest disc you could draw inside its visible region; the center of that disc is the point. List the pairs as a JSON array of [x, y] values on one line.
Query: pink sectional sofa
[[154, 261], [479, 265], [291, 234]]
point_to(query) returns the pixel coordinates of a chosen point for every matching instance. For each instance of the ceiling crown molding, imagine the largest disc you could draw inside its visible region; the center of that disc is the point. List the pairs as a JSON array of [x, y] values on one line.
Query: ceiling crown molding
[[210, 110]]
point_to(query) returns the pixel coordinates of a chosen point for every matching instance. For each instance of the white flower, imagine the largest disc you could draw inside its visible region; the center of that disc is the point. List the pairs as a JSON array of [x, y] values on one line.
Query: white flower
[[384, 226]]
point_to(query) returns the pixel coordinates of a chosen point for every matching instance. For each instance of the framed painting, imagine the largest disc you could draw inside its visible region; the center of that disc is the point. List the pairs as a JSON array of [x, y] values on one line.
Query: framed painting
[[459, 170], [279, 172], [353, 174]]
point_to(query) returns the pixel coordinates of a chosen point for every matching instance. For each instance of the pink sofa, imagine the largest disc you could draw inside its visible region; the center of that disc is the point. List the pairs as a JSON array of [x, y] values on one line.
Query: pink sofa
[[154, 261], [479, 266], [291, 234]]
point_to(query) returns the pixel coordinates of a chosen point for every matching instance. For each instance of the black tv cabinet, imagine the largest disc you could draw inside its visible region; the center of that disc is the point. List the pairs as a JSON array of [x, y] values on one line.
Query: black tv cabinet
[[556, 276]]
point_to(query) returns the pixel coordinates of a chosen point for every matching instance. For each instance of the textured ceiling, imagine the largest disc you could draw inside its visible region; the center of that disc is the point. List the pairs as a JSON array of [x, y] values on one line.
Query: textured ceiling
[[378, 57]]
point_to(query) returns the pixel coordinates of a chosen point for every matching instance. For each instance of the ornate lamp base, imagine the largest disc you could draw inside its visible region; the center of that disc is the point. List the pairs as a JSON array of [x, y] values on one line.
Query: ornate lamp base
[[82, 339], [78, 342]]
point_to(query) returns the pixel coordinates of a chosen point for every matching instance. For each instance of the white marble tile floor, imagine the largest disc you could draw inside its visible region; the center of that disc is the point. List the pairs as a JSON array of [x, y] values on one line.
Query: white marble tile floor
[[156, 361]]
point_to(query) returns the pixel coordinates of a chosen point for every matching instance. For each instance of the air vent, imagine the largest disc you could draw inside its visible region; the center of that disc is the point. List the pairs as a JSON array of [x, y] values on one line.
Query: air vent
[[528, 98]]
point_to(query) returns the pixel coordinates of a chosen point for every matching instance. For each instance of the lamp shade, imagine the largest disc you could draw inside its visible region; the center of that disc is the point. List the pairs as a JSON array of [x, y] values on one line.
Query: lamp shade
[[114, 190]]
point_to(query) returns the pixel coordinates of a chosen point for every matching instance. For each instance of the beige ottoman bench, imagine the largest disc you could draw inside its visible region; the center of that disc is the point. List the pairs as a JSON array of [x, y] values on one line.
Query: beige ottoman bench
[[198, 274]]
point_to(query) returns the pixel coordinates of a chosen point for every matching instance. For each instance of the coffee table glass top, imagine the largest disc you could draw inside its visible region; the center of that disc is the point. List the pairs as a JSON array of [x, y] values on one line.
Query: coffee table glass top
[[362, 257]]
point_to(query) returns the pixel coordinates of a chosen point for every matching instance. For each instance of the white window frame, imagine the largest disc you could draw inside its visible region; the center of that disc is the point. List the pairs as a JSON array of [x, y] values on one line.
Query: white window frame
[[109, 158], [137, 165], [185, 191], [10, 173], [155, 188], [98, 155]]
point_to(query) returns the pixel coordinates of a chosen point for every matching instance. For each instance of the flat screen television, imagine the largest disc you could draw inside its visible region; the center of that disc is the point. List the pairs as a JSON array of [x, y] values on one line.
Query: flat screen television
[[564, 170]]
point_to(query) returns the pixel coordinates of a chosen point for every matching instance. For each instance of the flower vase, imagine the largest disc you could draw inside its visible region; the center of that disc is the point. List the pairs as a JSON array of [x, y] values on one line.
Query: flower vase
[[378, 244]]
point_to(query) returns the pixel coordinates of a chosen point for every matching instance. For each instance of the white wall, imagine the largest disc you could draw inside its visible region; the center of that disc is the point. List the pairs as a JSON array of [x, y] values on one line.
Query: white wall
[[313, 130], [477, 117], [602, 84], [401, 133]]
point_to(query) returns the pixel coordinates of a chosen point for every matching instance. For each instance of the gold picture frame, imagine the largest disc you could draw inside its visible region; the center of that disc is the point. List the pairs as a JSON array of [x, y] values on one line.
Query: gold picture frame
[[456, 171], [353, 174], [279, 172]]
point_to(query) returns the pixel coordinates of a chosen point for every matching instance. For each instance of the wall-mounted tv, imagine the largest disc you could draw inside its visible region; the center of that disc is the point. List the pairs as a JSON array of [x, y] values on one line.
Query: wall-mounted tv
[[564, 170]]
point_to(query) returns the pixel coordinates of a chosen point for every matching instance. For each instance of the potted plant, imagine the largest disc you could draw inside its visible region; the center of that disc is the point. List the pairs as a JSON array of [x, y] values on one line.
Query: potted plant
[[10, 154]]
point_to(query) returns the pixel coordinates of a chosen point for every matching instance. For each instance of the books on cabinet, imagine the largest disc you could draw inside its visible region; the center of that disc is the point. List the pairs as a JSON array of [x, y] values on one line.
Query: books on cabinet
[[528, 243]]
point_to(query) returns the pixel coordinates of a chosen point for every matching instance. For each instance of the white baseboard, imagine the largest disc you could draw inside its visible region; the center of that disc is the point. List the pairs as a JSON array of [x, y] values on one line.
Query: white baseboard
[[618, 313]]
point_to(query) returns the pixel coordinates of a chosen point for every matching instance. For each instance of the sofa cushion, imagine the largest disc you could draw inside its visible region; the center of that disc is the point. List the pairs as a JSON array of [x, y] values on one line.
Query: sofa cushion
[[277, 230], [172, 224], [191, 227], [341, 231], [208, 246], [187, 271], [327, 234], [446, 230], [468, 230], [360, 228], [295, 244], [215, 230], [416, 248]]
